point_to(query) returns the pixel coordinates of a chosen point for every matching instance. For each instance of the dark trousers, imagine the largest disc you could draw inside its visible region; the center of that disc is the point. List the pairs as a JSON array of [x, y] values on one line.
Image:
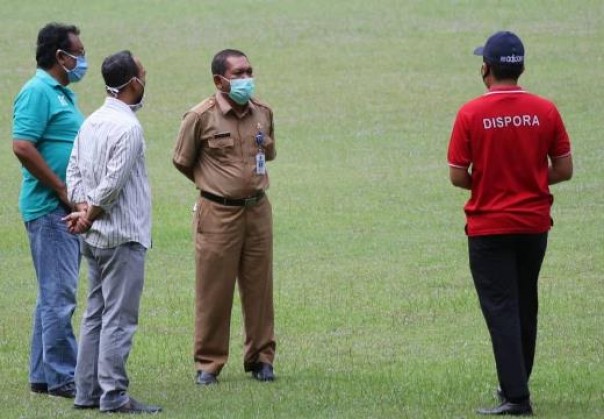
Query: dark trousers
[[505, 269]]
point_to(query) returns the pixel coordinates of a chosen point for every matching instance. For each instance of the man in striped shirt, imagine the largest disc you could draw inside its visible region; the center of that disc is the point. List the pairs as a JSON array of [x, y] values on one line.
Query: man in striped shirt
[[107, 173]]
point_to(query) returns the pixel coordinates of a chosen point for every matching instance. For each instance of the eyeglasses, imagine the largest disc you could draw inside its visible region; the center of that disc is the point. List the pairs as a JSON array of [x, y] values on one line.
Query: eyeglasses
[[73, 54]]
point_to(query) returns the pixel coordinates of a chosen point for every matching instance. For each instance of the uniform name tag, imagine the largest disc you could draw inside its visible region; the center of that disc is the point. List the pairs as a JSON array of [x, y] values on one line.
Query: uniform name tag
[[260, 158], [260, 163]]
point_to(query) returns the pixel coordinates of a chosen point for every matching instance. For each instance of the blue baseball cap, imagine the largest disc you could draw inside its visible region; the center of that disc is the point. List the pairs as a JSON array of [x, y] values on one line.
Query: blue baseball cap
[[502, 48]]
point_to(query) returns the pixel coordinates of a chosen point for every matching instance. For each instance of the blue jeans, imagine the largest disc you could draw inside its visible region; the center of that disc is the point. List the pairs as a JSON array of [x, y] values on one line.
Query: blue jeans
[[56, 257]]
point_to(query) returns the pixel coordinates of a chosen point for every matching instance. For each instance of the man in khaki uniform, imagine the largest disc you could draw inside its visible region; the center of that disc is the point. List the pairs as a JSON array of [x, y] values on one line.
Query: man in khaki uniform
[[222, 147]]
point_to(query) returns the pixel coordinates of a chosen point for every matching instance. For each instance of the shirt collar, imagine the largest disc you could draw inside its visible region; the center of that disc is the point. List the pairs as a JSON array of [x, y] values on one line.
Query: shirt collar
[[45, 77], [225, 107], [505, 88], [118, 105]]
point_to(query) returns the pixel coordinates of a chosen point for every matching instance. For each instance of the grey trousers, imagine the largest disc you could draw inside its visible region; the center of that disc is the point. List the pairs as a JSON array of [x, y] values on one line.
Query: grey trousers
[[116, 278]]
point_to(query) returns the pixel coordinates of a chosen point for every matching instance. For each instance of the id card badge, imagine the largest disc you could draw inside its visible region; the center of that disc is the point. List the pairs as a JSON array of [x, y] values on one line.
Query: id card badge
[[260, 163]]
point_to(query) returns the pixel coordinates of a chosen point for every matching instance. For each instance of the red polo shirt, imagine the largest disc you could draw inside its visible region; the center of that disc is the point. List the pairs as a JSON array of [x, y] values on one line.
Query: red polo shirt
[[505, 137]]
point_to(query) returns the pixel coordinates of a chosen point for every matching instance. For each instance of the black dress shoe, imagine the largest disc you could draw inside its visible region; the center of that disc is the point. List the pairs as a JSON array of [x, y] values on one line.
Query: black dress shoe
[[38, 388], [205, 378], [135, 407], [67, 391], [85, 406], [509, 408], [263, 372]]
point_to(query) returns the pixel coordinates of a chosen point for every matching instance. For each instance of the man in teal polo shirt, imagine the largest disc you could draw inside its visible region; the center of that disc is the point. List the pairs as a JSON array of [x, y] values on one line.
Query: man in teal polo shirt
[[46, 120]]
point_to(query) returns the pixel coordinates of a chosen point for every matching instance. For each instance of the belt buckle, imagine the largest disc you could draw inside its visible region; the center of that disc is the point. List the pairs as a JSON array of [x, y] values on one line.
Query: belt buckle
[[250, 202]]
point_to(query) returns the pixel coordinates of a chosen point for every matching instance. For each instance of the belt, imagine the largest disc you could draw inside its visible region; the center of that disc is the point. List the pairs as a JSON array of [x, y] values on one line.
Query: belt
[[243, 202]]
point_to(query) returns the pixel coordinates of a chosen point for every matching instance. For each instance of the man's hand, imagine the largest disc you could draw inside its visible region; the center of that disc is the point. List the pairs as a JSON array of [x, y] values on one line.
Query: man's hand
[[77, 223], [81, 206]]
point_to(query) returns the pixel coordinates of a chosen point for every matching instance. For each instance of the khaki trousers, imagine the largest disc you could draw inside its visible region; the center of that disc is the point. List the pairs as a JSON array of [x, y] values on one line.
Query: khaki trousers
[[233, 244]]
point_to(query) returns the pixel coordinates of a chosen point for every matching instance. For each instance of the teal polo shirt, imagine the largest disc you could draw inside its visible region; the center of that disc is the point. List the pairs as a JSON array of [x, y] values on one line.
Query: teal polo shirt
[[45, 113]]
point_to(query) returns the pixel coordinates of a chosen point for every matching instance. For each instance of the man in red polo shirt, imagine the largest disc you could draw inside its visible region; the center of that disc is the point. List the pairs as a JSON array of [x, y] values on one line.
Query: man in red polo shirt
[[507, 147]]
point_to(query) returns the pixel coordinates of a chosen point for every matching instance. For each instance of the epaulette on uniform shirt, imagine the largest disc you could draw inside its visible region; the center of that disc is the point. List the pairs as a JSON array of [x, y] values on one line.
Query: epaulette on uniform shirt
[[202, 107]]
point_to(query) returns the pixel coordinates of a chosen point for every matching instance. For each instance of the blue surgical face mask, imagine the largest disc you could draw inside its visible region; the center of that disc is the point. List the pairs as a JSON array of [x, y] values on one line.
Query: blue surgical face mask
[[241, 90], [79, 71]]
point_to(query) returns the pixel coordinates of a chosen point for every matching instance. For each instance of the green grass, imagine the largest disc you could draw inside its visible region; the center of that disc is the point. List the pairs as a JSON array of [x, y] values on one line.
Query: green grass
[[376, 313]]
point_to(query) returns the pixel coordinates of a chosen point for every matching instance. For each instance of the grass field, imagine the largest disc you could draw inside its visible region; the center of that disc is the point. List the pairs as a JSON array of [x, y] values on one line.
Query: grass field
[[376, 312]]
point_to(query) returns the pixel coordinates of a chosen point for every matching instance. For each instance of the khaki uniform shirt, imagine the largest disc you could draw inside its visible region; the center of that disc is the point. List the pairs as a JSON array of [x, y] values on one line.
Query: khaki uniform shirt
[[218, 147]]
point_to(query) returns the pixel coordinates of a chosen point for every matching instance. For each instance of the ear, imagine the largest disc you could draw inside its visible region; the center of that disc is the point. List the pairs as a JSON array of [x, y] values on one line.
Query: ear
[[485, 70], [60, 58], [217, 82], [131, 86]]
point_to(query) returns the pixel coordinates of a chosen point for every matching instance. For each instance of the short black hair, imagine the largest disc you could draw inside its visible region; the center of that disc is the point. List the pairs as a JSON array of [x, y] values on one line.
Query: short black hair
[[119, 68], [52, 37], [219, 61], [504, 72]]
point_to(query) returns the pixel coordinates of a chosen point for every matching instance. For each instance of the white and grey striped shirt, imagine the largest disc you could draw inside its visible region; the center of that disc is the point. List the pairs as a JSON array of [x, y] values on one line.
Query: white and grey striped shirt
[[107, 169]]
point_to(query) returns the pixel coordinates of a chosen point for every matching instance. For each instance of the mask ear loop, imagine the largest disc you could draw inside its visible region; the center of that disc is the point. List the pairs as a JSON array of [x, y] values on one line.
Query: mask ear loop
[[66, 53], [60, 51], [114, 91], [228, 80]]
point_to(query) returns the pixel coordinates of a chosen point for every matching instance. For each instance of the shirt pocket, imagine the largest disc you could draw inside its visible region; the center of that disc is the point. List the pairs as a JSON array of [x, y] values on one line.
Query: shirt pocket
[[221, 147]]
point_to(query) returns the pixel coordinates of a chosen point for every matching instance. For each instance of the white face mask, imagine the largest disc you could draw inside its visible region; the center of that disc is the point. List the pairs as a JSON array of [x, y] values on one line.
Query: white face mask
[[138, 105], [114, 91]]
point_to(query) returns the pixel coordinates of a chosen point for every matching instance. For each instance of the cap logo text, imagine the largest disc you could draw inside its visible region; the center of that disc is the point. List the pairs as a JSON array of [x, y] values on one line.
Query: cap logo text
[[511, 59]]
